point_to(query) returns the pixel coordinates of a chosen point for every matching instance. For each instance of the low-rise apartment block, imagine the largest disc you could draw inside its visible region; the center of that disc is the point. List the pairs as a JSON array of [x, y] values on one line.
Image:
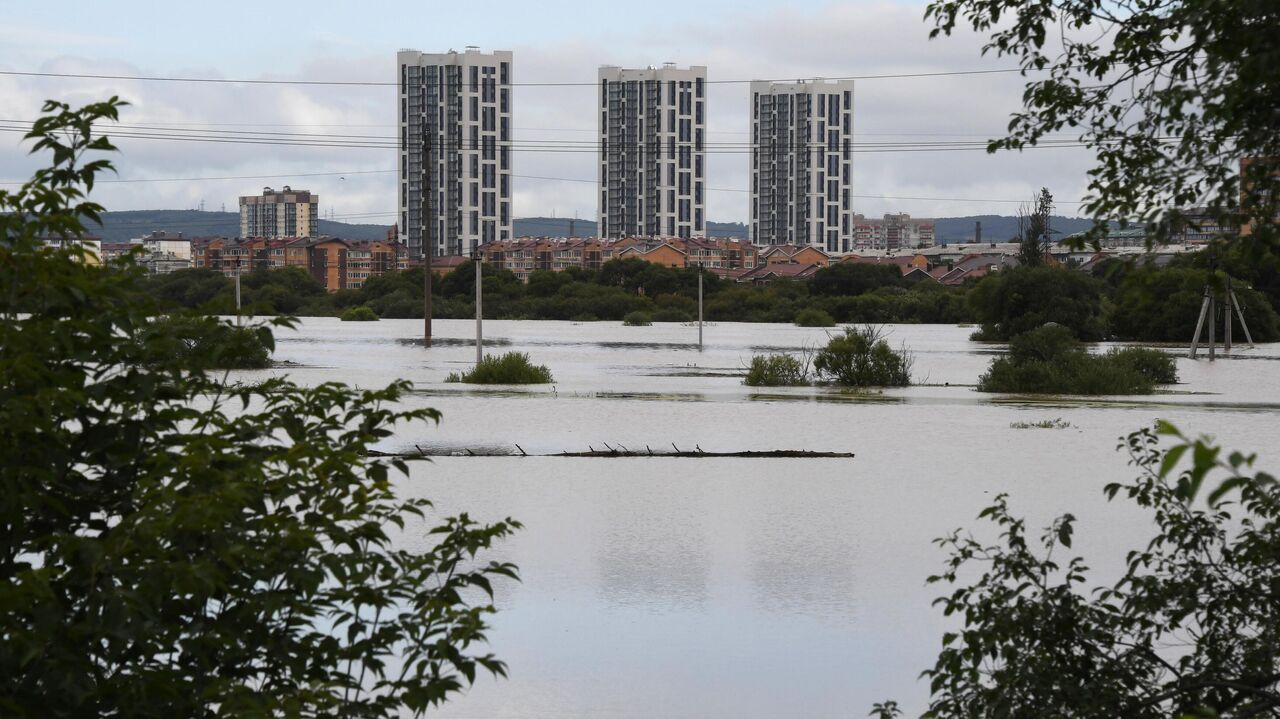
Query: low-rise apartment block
[[335, 263], [894, 232], [525, 255]]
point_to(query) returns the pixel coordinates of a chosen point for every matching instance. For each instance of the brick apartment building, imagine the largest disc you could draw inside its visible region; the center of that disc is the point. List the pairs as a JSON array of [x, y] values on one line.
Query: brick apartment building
[[335, 263]]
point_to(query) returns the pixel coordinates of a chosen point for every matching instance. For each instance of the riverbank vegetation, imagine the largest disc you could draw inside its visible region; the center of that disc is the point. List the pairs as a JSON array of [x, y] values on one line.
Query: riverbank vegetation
[[1049, 360], [1118, 301], [508, 368]]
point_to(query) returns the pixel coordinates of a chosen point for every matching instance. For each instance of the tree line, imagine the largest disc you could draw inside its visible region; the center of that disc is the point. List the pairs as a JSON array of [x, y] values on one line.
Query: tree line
[[1119, 299]]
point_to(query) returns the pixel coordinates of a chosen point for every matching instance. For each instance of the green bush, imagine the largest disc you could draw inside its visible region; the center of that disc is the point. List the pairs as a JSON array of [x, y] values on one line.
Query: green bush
[[777, 370], [862, 358], [205, 343], [813, 317], [360, 313], [1017, 300], [672, 314], [176, 546], [1162, 305], [1049, 361], [1158, 366], [509, 368], [637, 319]]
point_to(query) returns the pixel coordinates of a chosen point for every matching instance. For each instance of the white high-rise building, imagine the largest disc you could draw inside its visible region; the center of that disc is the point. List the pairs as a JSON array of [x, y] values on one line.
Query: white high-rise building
[[802, 164], [652, 163], [455, 121]]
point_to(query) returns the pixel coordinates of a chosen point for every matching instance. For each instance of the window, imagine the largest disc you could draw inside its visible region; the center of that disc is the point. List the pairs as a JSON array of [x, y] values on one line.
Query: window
[[503, 76], [475, 78], [697, 90]]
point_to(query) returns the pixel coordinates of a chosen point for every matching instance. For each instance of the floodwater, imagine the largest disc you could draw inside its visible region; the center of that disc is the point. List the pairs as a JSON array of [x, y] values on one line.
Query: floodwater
[[665, 587]]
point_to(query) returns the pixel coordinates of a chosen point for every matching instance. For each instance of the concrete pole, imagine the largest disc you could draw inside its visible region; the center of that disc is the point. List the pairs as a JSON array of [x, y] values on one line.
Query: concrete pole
[[1213, 345], [1226, 320], [1204, 309], [1243, 325], [237, 290], [428, 249], [479, 311], [699, 308]]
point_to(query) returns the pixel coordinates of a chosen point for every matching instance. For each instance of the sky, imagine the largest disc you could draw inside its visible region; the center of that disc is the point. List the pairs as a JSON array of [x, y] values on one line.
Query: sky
[[552, 41]]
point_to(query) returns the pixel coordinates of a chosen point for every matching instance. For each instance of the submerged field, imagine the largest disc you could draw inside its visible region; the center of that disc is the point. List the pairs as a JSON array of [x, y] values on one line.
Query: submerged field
[[746, 587]]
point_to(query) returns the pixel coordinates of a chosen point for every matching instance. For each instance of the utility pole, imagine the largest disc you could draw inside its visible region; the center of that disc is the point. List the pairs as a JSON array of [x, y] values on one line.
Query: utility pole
[[1226, 320], [427, 248], [475, 255], [699, 306]]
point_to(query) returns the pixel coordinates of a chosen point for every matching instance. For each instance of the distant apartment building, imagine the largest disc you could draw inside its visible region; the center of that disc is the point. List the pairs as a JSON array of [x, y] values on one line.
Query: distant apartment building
[[526, 255], [652, 161], [335, 263], [455, 135], [802, 164], [283, 213], [892, 233]]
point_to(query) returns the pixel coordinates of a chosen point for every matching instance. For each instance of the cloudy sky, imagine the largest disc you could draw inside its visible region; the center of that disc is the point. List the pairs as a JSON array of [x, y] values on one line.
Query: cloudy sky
[[554, 41]]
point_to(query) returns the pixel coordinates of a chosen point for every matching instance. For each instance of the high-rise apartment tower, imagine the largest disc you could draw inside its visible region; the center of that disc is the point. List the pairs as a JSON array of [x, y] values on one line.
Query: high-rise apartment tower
[[283, 213], [802, 164], [455, 122], [652, 163]]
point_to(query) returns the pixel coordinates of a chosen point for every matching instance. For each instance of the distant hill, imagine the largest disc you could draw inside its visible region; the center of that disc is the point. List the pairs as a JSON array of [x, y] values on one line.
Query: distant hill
[[124, 226], [559, 227], [998, 228]]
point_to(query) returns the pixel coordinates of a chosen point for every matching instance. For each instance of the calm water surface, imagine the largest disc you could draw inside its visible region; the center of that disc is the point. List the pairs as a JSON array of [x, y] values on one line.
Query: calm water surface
[[747, 588]]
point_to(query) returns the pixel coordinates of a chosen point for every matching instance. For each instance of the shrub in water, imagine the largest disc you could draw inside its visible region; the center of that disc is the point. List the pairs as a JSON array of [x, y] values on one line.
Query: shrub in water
[[862, 358], [1157, 366], [777, 370], [637, 319], [814, 317], [360, 313], [205, 343], [510, 368], [1048, 360]]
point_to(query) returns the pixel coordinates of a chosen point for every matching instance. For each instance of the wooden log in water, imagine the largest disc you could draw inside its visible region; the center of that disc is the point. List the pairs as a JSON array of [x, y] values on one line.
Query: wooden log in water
[[615, 452]]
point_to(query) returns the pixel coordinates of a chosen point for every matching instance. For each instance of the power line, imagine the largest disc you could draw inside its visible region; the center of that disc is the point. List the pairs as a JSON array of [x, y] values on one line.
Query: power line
[[573, 147], [371, 83]]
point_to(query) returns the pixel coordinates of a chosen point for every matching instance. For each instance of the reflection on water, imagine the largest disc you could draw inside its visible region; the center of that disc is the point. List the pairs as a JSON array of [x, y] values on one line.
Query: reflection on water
[[747, 587]]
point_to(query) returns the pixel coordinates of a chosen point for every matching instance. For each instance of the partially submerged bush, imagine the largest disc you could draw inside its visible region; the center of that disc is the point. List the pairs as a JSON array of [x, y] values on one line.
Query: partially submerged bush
[[509, 368], [1048, 360], [637, 319], [862, 358], [205, 343], [777, 370], [360, 313], [814, 317]]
